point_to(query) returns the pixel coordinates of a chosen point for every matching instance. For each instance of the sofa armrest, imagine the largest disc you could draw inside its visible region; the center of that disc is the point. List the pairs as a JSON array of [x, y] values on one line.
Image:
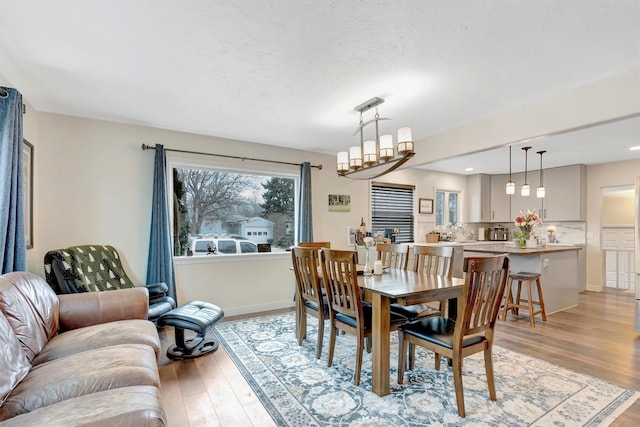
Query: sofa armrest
[[92, 308]]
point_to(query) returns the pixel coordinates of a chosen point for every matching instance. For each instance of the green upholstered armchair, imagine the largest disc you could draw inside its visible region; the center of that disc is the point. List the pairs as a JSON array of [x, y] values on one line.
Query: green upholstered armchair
[[94, 268]]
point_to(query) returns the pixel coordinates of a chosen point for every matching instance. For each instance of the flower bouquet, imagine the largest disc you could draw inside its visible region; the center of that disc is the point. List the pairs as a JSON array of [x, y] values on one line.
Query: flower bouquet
[[525, 223]]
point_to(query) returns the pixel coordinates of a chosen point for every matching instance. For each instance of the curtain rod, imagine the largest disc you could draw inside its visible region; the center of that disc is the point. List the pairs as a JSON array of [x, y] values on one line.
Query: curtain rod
[[152, 147]]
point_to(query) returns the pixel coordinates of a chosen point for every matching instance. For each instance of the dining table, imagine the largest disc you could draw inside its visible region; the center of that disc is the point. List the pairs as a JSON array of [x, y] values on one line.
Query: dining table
[[403, 287]]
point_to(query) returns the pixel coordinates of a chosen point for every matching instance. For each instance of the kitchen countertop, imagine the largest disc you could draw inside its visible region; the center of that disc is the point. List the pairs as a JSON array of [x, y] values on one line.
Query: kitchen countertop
[[511, 249]]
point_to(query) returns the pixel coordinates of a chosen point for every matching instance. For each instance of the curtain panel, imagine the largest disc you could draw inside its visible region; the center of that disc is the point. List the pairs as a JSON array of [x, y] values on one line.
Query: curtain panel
[[305, 223], [160, 262], [13, 247]]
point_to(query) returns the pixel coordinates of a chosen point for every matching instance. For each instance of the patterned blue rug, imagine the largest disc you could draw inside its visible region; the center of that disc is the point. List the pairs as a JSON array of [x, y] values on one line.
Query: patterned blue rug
[[299, 390]]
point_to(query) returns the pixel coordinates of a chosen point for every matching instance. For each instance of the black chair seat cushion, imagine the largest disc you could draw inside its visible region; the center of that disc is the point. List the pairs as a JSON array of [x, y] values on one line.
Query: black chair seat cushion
[[396, 319], [416, 311], [196, 316], [438, 330], [313, 306]]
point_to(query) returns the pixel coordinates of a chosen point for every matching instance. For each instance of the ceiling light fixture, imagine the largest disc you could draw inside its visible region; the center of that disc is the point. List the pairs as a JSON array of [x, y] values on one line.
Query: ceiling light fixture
[[511, 186], [525, 189], [540, 191], [637, 147], [374, 153]]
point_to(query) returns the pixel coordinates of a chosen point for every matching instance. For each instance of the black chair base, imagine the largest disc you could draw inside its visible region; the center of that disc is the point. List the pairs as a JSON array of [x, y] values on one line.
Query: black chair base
[[196, 316]]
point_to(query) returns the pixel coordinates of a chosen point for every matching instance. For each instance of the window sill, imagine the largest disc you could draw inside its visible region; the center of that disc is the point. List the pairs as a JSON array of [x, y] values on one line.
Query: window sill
[[205, 259]]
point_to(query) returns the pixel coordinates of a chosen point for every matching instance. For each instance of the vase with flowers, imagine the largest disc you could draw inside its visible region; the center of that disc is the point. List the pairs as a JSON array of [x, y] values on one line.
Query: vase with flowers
[[525, 223]]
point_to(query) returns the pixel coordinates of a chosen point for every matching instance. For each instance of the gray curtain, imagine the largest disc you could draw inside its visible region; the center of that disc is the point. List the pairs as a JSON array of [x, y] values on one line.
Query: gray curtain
[[160, 263], [305, 223], [13, 247]]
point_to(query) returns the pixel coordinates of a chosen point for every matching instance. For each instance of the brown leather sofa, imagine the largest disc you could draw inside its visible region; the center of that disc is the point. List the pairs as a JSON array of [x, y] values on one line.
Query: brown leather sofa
[[78, 359]]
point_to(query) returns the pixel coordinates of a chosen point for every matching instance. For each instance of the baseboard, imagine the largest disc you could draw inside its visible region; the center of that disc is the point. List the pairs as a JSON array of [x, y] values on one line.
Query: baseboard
[[595, 288], [258, 308]]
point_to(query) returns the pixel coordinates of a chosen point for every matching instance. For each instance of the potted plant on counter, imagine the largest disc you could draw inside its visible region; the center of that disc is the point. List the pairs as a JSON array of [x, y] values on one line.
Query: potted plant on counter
[[525, 223], [433, 236]]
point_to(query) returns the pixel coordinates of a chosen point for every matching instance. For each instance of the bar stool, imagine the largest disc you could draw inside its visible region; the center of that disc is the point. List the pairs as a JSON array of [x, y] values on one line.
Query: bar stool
[[514, 304]]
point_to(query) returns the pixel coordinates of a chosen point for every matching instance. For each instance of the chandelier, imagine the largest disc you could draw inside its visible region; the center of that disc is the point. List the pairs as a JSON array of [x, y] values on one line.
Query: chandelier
[[375, 156]]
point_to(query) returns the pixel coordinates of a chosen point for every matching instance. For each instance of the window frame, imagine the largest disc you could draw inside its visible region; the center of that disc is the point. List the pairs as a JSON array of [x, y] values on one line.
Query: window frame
[[411, 207], [446, 210], [200, 161]]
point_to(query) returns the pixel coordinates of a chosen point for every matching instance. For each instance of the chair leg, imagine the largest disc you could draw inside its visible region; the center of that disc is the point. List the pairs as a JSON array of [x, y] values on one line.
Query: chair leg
[[541, 300], [320, 338], [356, 374], [332, 343], [368, 342], [436, 358], [457, 383], [532, 319], [412, 356], [488, 367], [516, 310], [402, 355]]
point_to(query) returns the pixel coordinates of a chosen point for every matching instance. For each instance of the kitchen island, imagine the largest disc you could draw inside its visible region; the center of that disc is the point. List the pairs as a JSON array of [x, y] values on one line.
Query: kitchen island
[[557, 265]]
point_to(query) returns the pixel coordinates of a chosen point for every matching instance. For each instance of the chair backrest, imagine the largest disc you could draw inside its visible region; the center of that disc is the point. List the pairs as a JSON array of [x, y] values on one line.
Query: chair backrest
[[341, 282], [393, 255], [305, 266], [85, 268], [433, 260], [485, 280], [317, 245]]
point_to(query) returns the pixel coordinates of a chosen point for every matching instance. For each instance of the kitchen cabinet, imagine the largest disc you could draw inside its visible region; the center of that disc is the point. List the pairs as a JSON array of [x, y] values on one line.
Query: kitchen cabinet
[[500, 201], [524, 203], [478, 198], [566, 193]]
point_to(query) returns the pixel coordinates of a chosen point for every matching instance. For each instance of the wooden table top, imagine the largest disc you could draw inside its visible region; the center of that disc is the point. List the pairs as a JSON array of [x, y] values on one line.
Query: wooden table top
[[407, 285]]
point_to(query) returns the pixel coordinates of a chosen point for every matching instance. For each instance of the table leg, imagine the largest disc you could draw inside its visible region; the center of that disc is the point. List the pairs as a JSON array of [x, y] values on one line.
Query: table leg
[[381, 343]]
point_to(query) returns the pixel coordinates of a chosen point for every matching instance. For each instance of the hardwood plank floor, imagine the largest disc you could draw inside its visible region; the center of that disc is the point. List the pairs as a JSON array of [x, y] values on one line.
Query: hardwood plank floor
[[595, 338]]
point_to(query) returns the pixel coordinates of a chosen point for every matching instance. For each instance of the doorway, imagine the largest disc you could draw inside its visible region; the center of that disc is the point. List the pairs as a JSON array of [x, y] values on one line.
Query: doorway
[[617, 216]]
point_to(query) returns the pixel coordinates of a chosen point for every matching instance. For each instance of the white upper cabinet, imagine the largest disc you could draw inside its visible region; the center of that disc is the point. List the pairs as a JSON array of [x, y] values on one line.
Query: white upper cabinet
[[566, 193], [478, 198], [500, 200], [524, 203]]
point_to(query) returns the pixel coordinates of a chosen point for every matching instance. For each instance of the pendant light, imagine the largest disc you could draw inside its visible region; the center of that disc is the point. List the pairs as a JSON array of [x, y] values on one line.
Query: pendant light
[[525, 189], [540, 191], [511, 186]]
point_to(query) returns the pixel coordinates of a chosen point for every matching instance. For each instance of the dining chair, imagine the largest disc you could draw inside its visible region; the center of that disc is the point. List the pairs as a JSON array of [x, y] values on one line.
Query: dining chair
[[428, 260], [309, 286], [346, 310], [393, 255], [471, 332], [317, 245]]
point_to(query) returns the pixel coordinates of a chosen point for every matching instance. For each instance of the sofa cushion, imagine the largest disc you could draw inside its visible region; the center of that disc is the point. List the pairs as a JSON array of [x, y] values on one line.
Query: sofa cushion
[[14, 366], [128, 406], [133, 331], [80, 374], [31, 307]]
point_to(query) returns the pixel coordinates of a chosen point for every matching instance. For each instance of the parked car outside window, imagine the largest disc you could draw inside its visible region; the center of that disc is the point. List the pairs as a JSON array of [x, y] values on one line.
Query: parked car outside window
[[222, 246]]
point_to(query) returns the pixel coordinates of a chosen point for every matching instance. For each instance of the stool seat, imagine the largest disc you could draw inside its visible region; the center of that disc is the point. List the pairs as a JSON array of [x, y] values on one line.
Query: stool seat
[[514, 304], [197, 316]]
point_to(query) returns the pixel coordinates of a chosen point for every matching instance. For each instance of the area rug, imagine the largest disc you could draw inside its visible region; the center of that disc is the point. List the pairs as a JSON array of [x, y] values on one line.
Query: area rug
[[299, 390]]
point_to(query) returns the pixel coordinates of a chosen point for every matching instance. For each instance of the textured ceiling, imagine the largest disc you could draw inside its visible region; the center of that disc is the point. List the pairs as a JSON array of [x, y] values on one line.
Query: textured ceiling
[[289, 72]]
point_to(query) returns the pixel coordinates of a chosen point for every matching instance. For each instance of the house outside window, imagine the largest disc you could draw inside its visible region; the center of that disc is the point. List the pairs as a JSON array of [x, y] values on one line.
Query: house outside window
[[248, 207]]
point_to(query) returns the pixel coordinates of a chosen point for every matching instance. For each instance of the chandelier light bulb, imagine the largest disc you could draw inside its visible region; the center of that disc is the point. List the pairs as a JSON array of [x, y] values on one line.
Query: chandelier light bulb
[[355, 157], [386, 147]]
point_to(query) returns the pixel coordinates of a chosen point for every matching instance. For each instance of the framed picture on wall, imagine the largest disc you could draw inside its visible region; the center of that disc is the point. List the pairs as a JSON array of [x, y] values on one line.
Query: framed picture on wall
[[27, 172], [425, 206]]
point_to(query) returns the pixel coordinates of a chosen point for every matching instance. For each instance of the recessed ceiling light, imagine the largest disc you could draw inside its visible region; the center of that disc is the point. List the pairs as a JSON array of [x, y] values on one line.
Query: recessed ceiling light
[[637, 147], [468, 169]]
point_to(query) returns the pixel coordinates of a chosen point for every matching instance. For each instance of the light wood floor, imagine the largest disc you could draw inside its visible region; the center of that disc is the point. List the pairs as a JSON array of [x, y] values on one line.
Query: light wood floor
[[595, 338]]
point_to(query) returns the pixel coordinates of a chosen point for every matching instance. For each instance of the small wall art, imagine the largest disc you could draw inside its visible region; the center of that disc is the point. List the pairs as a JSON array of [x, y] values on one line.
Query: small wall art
[[339, 203], [425, 206]]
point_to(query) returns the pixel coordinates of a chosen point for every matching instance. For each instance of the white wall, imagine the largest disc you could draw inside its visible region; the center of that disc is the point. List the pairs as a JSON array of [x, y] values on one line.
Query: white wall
[[93, 183], [598, 176]]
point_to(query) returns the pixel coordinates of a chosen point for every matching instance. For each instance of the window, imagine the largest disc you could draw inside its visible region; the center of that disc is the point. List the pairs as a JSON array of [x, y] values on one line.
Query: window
[[212, 203], [392, 206], [446, 208]]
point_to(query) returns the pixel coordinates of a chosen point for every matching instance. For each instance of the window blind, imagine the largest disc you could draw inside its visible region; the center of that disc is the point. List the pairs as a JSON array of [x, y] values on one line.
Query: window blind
[[392, 206]]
